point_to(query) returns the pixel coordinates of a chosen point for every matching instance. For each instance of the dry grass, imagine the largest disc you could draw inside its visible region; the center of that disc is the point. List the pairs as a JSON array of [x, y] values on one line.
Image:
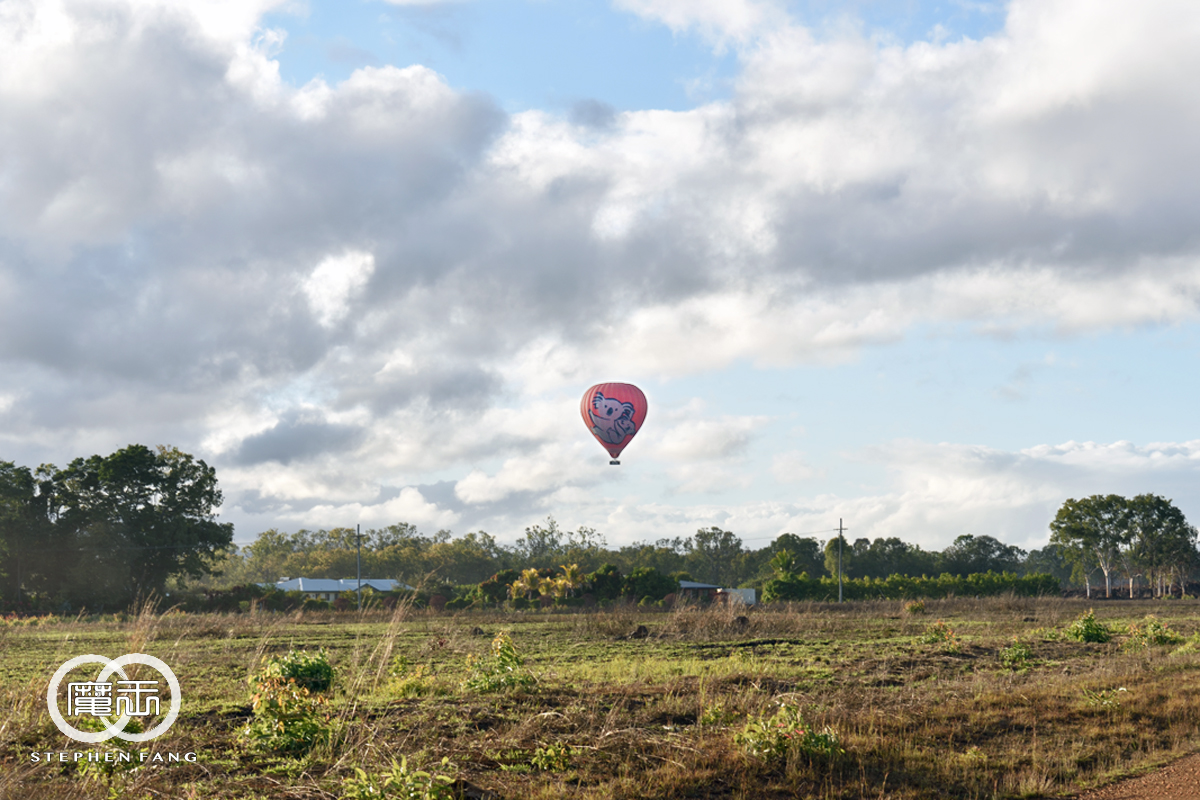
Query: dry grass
[[650, 717]]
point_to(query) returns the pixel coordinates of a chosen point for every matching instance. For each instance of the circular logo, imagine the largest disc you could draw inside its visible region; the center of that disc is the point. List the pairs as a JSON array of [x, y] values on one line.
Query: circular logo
[[134, 699]]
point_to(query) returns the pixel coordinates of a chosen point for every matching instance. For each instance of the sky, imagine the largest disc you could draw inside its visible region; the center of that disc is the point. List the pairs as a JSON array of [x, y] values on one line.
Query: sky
[[927, 268]]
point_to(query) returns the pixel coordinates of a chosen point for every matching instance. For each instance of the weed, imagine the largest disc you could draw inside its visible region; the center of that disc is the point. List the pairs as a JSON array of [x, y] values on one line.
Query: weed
[[1104, 699], [1191, 645], [287, 712], [502, 669], [716, 715], [553, 758], [1150, 632], [1016, 656], [941, 633], [400, 782], [1088, 629], [786, 733], [914, 607]]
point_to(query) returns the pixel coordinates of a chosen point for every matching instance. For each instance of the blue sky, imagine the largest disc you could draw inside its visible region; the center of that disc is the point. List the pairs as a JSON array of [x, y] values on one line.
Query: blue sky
[[927, 267]]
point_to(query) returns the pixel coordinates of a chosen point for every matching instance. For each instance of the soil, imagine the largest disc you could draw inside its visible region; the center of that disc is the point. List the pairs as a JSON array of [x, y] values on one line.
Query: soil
[[1178, 781]]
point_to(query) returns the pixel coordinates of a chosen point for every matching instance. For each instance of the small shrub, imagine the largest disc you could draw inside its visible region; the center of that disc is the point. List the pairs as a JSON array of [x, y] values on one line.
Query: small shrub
[[786, 733], [1088, 629], [553, 758], [400, 782], [501, 669], [914, 607], [941, 633], [1016, 656], [287, 703], [1150, 632]]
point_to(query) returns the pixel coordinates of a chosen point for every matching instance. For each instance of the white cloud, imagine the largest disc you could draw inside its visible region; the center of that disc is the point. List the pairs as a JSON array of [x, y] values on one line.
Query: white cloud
[[163, 194], [793, 467], [717, 20], [335, 281]]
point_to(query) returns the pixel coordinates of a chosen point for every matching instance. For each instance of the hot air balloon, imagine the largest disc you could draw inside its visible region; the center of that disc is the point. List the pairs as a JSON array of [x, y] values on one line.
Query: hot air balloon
[[614, 413]]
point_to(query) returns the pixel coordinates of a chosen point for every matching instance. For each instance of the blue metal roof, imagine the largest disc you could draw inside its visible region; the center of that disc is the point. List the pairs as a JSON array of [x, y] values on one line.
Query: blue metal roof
[[335, 585]]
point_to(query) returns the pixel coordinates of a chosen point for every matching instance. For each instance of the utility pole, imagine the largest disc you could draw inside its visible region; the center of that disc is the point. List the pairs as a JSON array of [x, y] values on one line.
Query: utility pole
[[840, 541], [358, 558]]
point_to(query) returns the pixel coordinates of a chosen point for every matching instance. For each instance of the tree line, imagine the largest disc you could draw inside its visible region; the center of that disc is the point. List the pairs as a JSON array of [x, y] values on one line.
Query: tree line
[[105, 530], [712, 555]]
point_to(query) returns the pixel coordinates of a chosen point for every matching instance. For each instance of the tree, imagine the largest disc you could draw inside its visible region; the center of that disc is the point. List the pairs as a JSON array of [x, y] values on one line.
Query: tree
[[714, 555], [1050, 560], [24, 532], [540, 543], [1161, 540], [971, 555], [135, 518], [648, 582], [806, 553], [838, 549], [1092, 530]]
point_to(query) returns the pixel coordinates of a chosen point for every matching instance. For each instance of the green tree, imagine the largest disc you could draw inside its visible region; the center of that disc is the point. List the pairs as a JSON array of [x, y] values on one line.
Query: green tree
[[973, 555], [1092, 531], [648, 582], [832, 556], [1163, 544], [133, 519], [714, 556], [1049, 560]]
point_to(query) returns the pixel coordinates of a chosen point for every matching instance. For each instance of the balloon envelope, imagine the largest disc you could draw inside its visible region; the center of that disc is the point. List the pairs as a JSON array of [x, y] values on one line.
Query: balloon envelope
[[614, 413]]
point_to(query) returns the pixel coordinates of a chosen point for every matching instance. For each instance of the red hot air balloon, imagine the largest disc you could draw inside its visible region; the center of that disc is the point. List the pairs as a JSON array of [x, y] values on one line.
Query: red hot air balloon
[[614, 413]]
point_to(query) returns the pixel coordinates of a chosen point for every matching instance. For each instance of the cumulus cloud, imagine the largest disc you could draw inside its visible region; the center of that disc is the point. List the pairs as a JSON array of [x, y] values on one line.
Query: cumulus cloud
[[391, 276]]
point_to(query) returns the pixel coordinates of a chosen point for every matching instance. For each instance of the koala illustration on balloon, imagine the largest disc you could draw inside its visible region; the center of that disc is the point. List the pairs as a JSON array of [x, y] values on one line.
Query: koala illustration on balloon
[[612, 420]]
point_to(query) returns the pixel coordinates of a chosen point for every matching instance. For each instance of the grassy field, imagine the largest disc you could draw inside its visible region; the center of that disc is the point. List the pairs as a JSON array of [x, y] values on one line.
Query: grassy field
[[965, 699]]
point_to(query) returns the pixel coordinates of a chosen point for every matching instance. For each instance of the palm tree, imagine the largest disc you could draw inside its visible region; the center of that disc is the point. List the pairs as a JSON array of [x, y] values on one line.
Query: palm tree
[[572, 578]]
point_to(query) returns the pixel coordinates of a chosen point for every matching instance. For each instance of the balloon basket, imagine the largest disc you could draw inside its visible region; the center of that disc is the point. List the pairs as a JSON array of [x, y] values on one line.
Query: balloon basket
[[614, 462]]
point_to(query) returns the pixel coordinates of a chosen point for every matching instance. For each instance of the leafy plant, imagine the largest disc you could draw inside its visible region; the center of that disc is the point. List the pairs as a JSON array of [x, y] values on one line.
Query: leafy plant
[[400, 782], [553, 758], [914, 607], [941, 633], [1088, 629], [1150, 632], [786, 733], [287, 712], [503, 668], [1016, 656]]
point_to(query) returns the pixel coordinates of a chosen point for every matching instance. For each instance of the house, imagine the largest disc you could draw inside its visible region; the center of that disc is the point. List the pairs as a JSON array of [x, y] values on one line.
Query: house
[[330, 588]]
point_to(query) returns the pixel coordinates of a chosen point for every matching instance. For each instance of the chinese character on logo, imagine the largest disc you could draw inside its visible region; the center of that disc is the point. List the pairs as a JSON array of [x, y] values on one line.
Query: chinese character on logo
[[132, 705], [90, 697]]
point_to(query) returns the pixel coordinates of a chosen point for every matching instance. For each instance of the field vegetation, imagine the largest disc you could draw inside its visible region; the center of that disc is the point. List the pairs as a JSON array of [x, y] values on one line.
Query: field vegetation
[[961, 698]]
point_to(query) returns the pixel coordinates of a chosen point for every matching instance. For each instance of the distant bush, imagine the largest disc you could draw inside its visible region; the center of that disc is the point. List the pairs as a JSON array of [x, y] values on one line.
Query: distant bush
[[899, 587]]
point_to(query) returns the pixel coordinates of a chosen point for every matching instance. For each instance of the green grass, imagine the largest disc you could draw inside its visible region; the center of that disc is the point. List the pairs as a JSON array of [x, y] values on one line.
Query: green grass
[[609, 716]]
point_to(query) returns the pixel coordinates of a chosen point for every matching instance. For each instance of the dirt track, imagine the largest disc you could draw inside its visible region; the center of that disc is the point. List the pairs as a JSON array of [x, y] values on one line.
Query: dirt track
[[1178, 781]]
